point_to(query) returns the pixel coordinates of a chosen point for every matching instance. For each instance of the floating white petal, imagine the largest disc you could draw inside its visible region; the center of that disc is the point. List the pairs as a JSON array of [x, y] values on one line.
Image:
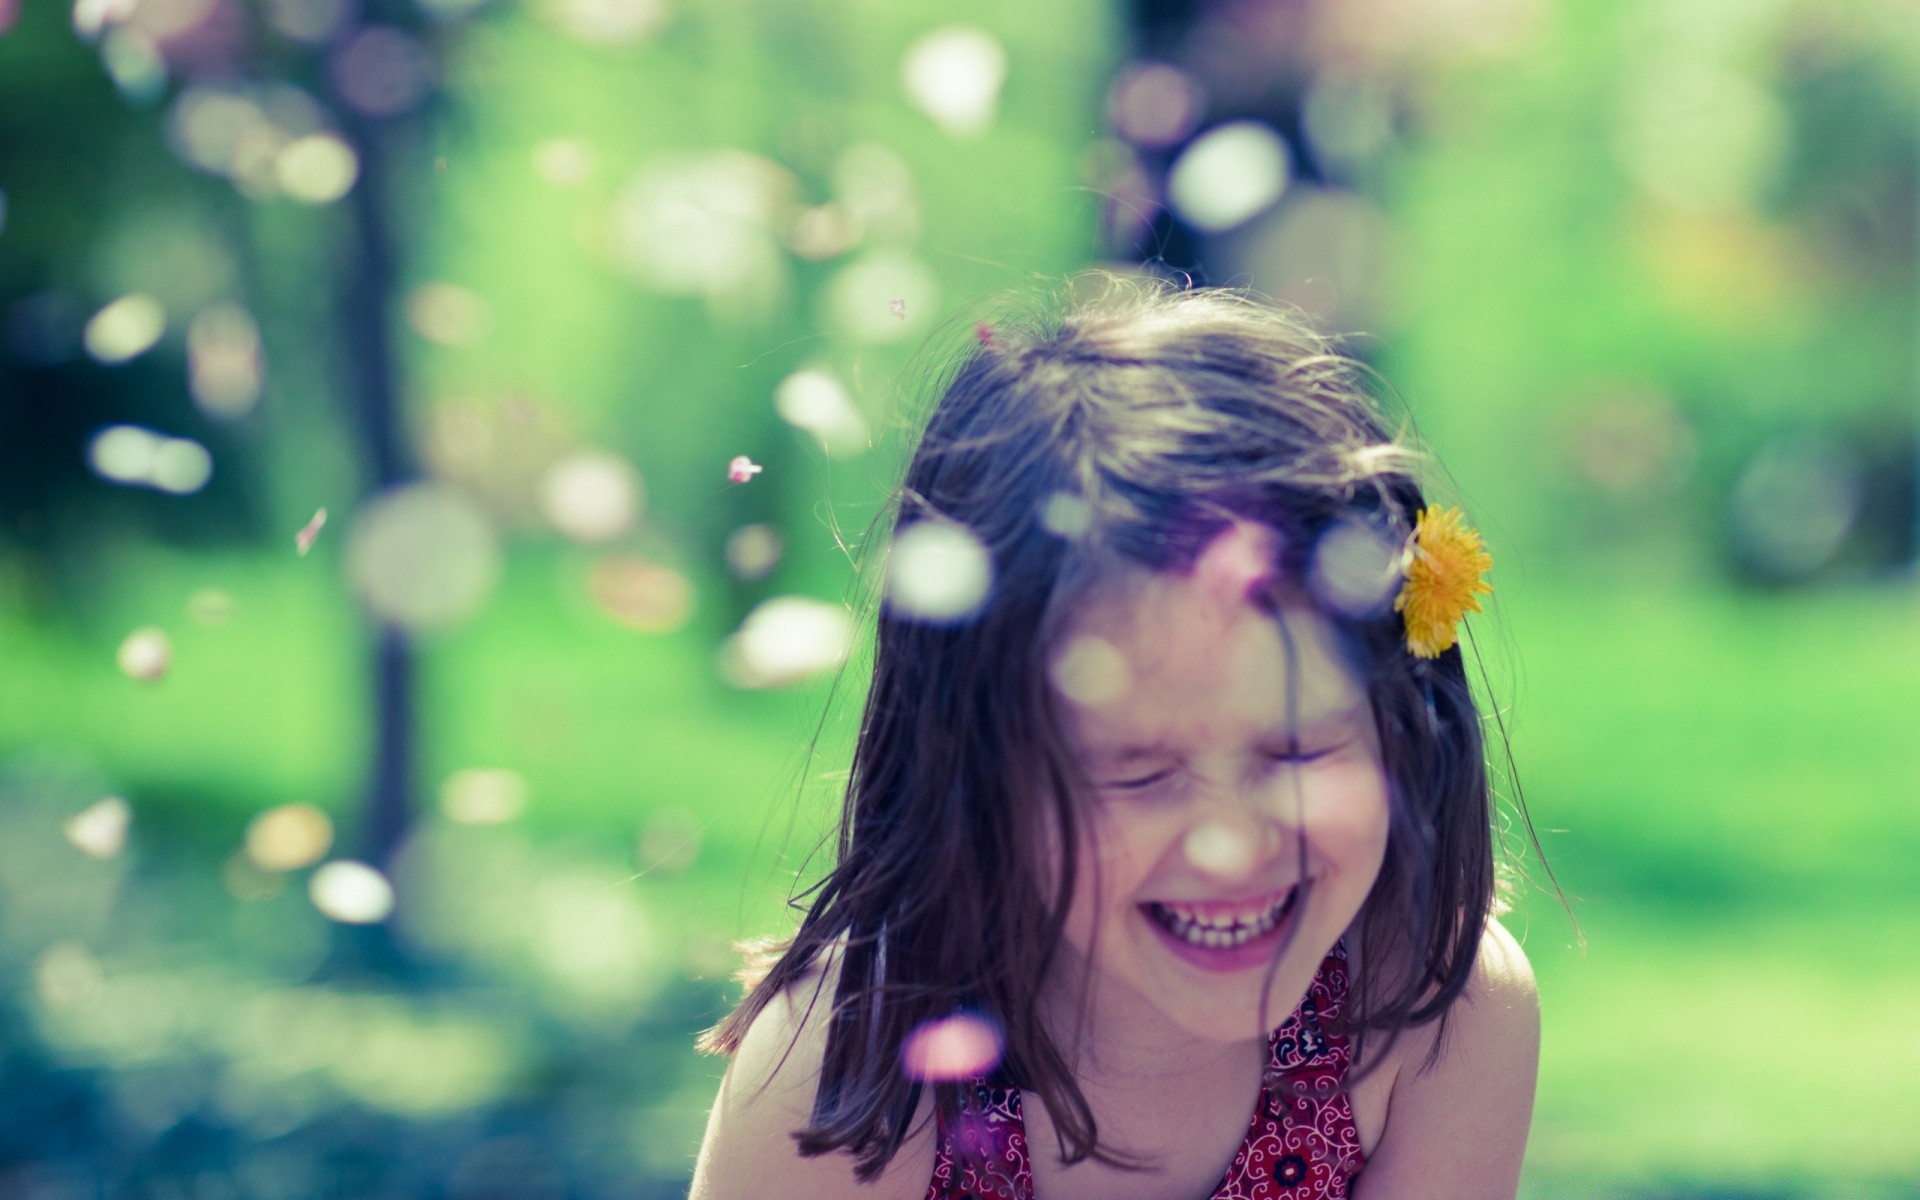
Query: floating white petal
[[937, 571], [591, 495], [954, 75], [126, 328], [785, 640], [815, 400], [962, 1046], [352, 893], [1091, 671], [1228, 175], [483, 796], [145, 654], [1356, 569], [288, 837], [100, 830], [1220, 851], [318, 169]]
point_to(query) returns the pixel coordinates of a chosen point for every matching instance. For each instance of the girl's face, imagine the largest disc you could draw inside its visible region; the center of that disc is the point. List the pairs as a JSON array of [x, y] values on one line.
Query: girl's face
[[1215, 798]]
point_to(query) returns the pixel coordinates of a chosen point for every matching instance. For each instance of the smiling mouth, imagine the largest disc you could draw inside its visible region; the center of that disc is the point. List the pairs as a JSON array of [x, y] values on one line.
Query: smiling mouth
[[1215, 930]]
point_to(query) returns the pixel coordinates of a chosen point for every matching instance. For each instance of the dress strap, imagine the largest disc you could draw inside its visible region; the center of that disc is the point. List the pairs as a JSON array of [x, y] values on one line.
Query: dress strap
[[983, 1154]]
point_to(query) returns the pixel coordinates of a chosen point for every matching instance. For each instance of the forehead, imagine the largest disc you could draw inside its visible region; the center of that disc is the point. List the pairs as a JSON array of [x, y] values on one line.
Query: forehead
[[1189, 664]]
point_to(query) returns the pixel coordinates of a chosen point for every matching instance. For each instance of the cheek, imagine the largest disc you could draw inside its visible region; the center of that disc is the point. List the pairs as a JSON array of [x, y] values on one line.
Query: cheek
[[1117, 851], [1347, 816]]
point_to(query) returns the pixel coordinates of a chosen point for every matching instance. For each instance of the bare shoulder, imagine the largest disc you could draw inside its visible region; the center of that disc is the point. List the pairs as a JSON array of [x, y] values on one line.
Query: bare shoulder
[[1457, 1118], [768, 1093]]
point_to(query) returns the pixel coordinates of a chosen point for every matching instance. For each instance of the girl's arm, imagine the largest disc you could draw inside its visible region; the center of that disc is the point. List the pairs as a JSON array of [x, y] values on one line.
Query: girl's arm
[[1459, 1129], [749, 1153]]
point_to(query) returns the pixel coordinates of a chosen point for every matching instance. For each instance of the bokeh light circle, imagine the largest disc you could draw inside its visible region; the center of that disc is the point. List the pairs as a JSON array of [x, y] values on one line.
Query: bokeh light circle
[[422, 556]]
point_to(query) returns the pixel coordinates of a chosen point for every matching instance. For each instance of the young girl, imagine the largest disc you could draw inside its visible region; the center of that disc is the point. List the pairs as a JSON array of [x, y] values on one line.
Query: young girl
[[1167, 869]]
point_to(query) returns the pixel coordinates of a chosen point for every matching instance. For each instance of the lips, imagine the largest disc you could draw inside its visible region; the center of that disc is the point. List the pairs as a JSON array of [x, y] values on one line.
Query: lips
[[1224, 935]]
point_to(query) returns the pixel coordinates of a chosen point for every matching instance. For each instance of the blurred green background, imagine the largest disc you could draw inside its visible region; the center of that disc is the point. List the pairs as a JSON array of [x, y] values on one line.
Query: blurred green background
[[405, 860]]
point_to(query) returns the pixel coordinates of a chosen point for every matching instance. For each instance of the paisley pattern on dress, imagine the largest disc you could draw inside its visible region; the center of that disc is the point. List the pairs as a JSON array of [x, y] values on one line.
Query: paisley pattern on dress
[[1302, 1144]]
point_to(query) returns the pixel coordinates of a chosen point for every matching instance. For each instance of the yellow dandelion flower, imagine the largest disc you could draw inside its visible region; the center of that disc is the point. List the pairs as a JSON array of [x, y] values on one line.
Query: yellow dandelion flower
[[1444, 580]]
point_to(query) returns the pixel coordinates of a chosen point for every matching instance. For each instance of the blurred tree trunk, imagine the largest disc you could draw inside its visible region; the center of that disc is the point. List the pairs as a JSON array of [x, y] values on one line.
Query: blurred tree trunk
[[368, 287]]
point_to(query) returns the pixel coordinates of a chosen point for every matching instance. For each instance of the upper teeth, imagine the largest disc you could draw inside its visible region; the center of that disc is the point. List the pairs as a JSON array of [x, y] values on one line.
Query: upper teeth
[[1219, 929]]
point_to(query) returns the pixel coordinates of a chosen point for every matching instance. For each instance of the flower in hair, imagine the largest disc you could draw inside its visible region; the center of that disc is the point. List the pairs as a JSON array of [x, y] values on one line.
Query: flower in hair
[[1445, 576]]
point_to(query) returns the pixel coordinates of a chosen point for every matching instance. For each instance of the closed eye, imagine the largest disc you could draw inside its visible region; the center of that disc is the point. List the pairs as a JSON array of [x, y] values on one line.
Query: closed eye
[[1294, 754], [1144, 781]]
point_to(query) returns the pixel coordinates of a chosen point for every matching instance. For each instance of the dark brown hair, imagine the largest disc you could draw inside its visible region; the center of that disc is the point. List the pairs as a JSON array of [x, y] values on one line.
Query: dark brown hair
[[1127, 425]]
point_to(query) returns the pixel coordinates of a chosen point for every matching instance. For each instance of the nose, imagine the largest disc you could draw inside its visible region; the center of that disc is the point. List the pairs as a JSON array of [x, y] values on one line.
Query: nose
[[1231, 844]]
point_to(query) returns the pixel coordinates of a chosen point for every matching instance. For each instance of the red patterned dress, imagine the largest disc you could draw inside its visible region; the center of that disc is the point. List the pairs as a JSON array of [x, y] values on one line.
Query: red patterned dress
[[1302, 1144]]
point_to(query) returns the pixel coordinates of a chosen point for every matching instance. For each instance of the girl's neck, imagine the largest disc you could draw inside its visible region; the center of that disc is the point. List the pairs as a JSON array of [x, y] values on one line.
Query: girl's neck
[[1117, 1042]]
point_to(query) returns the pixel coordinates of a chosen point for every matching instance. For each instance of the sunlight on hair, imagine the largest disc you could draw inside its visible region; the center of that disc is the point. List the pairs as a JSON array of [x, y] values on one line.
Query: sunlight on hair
[[814, 399], [352, 893], [641, 594], [1155, 104], [483, 796], [1356, 569], [1228, 175], [938, 572], [1220, 851], [1091, 671], [954, 75], [100, 829], [962, 1046], [422, 556], [591, 495], [224, 366], [785, 640], [125, 329], [288, 837], [753, 551], [145, 654]]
